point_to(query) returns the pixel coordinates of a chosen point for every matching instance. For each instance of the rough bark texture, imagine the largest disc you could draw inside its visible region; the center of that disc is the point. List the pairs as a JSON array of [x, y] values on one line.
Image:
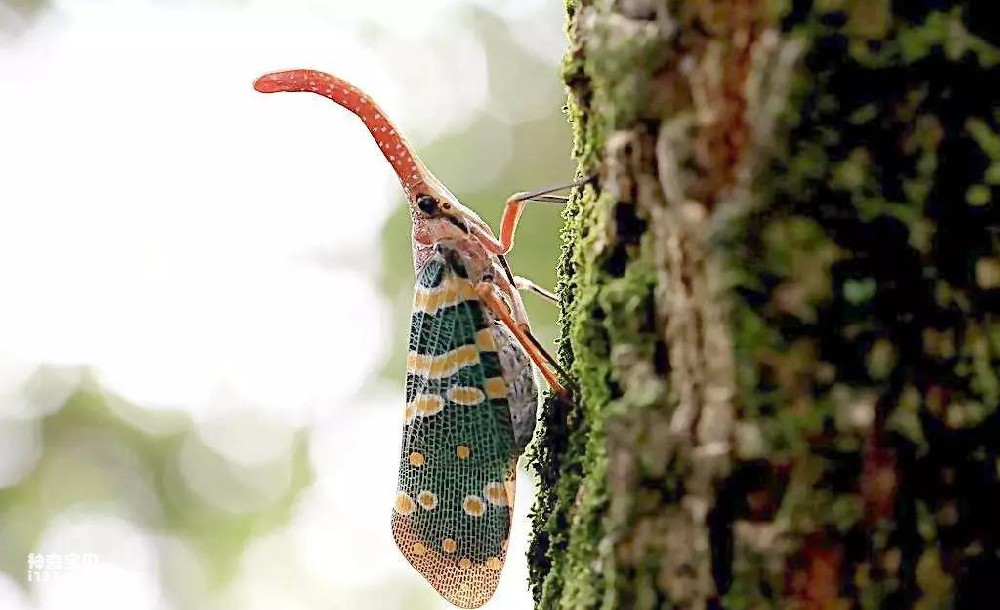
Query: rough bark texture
[[781, 299]]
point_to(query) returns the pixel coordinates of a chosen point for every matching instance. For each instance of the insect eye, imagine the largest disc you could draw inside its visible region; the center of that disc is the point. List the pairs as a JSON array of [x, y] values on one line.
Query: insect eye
[[427, 204]]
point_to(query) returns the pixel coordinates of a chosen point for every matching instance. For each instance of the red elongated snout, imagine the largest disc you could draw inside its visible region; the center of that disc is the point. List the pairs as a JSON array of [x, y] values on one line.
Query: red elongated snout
[[397, 151], [270, 83], [436, 213]]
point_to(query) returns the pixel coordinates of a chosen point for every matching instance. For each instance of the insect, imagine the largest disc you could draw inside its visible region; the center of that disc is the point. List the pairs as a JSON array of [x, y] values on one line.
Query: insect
[[471, 392]]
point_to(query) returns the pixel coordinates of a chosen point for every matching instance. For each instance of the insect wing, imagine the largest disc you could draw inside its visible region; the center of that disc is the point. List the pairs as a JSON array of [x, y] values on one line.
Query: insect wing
[[455, 493]]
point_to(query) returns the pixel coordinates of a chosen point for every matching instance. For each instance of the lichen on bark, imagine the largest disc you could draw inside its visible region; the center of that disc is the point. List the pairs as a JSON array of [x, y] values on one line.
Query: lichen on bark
[[780, 300]]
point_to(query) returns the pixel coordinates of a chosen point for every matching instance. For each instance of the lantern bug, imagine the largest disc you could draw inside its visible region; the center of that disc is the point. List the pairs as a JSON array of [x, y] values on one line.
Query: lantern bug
[[471, 392]]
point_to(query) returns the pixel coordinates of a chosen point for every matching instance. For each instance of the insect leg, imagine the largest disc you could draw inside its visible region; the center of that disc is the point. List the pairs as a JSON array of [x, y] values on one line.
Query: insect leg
[[510, 285], [523, 283], [512, 213], [545, 363], [505, 283]]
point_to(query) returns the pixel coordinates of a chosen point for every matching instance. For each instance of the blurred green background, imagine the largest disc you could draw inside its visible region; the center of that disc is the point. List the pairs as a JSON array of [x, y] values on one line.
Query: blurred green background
[[207, 290]]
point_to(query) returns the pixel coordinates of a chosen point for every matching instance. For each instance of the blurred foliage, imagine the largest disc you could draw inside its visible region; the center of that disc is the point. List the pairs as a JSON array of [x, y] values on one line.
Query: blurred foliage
[[16, 16], [100, 453]]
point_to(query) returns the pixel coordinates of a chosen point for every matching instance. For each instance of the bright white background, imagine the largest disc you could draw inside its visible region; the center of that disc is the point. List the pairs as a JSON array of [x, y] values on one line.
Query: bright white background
[[167, 226]]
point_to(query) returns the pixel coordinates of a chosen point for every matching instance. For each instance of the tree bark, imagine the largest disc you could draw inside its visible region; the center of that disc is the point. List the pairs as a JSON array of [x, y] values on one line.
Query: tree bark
[[780, 299]]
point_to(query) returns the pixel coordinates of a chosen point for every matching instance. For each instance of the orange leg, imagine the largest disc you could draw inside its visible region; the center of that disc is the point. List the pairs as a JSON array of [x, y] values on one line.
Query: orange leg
[[545, 363], [512, 213], [506, 284]]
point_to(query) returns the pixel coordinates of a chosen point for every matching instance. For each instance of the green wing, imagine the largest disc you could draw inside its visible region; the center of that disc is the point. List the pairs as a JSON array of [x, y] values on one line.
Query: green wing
[[453, 509]]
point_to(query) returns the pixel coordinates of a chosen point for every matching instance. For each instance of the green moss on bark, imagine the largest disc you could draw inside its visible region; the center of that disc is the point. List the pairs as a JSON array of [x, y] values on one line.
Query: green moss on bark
[[780, 303], [868, 373]]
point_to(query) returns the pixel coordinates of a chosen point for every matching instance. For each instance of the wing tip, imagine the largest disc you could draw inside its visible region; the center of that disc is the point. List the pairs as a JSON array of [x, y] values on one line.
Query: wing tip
[[461, 582]]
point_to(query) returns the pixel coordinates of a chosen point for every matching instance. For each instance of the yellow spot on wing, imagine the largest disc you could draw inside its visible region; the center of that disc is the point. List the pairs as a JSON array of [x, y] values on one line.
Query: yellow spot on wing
[[474, 506], [426, 300], [496, 493], [418, 549], [494, 563], [404, 503], [449, 546], [451, 293], [426, 405], [445, 365], [451, 362], [466, 395], [464, 563], [417, 459], [417, 362], [485, 341], [428, 500], [496, 387], [511, 486], [462, 452]]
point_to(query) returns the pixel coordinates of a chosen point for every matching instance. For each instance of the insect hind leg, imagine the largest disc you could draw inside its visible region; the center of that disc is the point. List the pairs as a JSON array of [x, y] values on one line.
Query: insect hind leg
[[546, 363]]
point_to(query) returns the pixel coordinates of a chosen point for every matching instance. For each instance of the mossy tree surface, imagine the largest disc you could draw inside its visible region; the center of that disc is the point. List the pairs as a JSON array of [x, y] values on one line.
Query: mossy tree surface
[[780, 305]]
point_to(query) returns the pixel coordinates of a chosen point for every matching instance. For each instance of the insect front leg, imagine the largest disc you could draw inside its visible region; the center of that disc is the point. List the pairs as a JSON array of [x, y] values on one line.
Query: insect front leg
[[487, 293], [512, 214]]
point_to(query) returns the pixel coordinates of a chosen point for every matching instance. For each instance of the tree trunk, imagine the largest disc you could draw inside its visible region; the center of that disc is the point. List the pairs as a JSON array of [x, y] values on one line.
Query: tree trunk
[[780, 299]]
